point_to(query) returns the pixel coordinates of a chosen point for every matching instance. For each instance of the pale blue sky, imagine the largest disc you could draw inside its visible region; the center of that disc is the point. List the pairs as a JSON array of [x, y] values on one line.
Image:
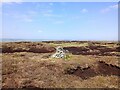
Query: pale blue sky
[[60, 20]]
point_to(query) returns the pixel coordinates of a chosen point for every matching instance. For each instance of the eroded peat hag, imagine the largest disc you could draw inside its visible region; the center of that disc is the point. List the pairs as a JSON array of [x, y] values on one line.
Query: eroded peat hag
[[108, 69], [76, 48], [101, 68], [93, 50], [26, 47]]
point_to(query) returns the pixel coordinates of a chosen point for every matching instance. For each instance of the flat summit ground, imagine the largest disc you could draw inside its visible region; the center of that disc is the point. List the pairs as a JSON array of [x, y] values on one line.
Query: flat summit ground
[[90, 65]]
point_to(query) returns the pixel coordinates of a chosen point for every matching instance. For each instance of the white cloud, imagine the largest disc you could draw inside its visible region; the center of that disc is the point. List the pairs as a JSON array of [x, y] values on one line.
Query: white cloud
[[22, 17], [84, 10], [114, 7], [40, 31], [47, 13], [12, 0], [109, 8], [28, 16], [51, 4], [105, 10], [51, 15]]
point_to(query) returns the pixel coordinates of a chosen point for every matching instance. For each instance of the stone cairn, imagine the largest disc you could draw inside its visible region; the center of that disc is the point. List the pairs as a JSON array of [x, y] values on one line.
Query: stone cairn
[[60, 53]]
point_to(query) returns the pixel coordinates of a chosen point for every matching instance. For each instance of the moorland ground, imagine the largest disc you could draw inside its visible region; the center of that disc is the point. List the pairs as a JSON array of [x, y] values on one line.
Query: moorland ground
[[90, 65]]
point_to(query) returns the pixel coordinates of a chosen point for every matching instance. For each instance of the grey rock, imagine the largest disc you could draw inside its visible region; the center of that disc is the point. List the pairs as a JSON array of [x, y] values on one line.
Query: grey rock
[[60, 53]]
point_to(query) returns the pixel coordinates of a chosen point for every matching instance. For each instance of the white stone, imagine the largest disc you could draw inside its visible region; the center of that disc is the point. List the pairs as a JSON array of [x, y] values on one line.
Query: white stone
[[60, 53]]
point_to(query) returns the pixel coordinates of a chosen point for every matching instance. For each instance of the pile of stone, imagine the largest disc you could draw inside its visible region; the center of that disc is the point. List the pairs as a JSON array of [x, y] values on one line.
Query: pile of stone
[[60, 53]]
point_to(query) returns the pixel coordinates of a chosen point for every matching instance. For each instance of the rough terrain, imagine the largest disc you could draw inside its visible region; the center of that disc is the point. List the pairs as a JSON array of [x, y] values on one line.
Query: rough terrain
[[90, 65]]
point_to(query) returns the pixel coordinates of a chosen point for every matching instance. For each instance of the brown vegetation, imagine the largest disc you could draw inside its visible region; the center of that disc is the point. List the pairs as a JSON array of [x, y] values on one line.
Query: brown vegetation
[[28, 65], [99, 68], [26, 47]]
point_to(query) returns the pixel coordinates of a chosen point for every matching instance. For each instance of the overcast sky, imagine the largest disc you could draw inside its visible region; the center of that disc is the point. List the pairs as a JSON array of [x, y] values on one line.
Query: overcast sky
[[60, 20]]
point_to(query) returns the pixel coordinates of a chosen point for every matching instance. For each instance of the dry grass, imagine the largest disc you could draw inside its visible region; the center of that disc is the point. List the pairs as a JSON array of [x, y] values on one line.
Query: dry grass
[[28, 69]]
